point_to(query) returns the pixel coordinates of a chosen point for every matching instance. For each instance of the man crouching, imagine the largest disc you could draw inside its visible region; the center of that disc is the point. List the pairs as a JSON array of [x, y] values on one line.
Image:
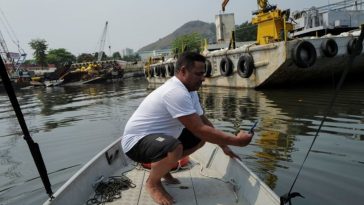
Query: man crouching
[[170, 124]]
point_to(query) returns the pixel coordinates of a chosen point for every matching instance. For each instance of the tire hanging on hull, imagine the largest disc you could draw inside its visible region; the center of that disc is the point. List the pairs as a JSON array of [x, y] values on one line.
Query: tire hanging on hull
[[304, 54], [351, 46], [151, 72], [208, 68], [163, 71], [170, 69], [226, 66], [157, 71], [245, 66], [329, 47]]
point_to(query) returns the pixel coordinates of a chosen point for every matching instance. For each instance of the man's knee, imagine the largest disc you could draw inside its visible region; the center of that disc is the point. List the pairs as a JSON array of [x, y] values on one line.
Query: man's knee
[[177, 151]]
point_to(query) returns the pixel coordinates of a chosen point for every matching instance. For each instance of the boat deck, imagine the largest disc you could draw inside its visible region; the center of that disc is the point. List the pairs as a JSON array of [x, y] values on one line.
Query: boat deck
[[195, 189]]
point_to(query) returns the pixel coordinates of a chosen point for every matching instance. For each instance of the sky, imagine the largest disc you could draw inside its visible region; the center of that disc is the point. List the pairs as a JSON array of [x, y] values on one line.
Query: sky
[[77, 25]]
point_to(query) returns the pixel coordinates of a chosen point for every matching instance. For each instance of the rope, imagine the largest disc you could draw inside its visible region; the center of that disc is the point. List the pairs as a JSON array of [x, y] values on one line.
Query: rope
[[287, 197], [110, 190]]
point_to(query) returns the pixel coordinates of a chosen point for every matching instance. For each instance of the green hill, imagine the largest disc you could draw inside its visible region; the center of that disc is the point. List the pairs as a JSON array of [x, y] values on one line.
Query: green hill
[[207, 30]]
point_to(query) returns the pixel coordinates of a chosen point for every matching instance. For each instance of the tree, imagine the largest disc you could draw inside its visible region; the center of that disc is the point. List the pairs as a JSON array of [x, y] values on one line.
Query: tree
[[188, 42], [246, 32], [129, 58], [29, 62], [116, 56], [85, 57], [60, 56], [39, 46], [104, 56]]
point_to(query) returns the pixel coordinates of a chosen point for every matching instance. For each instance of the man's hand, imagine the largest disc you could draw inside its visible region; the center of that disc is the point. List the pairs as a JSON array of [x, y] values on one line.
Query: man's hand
[[229, 152], [243, 138]]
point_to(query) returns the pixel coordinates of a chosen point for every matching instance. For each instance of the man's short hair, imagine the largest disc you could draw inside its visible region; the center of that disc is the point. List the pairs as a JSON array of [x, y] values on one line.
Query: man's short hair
[[188, 59]]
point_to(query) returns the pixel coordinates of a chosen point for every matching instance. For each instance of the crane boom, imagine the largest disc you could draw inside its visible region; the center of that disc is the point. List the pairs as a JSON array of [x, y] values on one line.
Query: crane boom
[[224, 3], [4, 48], [102, 42], [261, 3]]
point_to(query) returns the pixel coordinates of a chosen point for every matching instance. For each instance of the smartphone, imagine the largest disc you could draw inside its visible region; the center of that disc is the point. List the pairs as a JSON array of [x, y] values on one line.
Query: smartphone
[[251, 130]]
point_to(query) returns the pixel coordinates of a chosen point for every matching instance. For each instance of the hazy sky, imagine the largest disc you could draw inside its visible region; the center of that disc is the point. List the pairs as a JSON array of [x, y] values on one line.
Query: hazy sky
[[77, 25]]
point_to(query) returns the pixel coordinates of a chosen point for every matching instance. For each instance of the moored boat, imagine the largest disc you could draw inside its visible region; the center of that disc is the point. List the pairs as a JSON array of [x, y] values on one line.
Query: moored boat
[[279, 56], [87, 73]]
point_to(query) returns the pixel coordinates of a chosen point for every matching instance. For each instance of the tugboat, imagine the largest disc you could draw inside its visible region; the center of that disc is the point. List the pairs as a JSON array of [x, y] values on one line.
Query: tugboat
[[310, 46]]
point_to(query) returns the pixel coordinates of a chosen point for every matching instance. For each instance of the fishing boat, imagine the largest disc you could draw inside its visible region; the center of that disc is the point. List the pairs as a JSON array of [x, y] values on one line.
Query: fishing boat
[[210, 177], [309, 46]]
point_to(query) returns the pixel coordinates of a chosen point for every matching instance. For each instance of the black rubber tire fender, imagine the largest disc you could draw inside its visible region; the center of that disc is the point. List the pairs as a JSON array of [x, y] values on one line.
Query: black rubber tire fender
[[208, 68], [245, 66], [151, 72], [170, 69], [163, 71], [351, 46], [157, 71], [226, 66], [304, 54], [329, 47]]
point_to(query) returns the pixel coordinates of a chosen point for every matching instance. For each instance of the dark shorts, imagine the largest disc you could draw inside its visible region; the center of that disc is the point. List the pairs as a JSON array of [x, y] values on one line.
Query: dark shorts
[[155, 147]]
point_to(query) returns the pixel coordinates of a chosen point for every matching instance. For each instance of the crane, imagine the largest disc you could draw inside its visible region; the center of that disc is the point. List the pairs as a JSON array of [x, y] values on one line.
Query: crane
[[15, 59], [4, 49], [102, 42], [271, 22]]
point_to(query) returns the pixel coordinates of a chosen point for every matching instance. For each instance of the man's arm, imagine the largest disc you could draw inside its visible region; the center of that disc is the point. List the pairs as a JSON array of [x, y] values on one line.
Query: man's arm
[[206, 121], [224, 148], [200, 126]]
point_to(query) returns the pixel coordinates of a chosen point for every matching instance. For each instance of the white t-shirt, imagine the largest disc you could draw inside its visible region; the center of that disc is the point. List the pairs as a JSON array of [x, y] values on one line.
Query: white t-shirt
[[158, 113]]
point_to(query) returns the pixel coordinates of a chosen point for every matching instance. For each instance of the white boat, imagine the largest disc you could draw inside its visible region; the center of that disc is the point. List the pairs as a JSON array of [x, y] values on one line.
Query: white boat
[[50, 83], [284, 53], [210, 177]]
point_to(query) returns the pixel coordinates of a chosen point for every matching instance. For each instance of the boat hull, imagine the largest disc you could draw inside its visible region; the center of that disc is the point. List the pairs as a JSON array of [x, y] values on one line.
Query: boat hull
[[275, 64], [246, 186]]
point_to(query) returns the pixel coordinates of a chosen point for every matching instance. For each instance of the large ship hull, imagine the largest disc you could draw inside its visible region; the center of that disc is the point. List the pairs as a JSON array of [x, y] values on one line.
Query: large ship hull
[[299, 61]]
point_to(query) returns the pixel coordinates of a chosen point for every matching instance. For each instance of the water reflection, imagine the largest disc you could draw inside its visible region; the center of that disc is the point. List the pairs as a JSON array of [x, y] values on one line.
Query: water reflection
[[232, 110], [288, 120], [72, 124]]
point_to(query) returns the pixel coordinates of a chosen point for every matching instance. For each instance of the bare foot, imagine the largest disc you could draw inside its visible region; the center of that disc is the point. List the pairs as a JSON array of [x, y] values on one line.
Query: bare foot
[[169, 179], [159, 194]]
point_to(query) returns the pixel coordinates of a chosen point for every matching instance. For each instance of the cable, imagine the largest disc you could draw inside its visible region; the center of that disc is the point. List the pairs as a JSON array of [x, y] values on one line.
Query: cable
[[287, 197]]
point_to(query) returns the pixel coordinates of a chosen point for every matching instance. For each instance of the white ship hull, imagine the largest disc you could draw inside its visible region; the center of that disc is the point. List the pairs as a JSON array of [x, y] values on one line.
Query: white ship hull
[[275, 63]]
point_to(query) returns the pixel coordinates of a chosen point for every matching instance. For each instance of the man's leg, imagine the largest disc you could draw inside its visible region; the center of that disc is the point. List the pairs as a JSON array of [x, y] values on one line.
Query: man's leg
[[168, 177], [164, 152], [190, 142], [158, 170], [193, 149]]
